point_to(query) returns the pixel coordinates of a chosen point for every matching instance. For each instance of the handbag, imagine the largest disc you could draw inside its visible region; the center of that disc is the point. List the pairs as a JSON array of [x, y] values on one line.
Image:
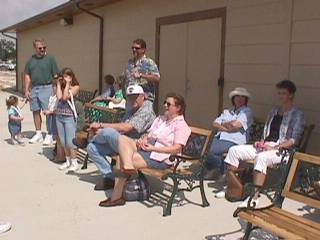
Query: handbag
[[137, 189], [236, 181]]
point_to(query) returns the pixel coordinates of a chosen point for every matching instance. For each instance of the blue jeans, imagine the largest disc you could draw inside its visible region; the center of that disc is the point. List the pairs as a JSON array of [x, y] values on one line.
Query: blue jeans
[[66, 126], [51, 124], [215, 156], [105, 143]]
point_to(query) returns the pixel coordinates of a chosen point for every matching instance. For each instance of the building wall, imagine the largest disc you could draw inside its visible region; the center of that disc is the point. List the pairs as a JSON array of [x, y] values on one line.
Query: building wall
[[73, 46], [305, 62], [266, 41]]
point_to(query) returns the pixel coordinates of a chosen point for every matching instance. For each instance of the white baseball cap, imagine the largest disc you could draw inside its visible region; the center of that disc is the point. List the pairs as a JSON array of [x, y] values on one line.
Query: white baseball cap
[[134, 89]]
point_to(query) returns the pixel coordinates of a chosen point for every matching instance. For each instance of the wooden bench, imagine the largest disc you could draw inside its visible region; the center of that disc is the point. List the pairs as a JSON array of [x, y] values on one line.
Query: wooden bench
[[106, 115], [302, 185], [193, 154]]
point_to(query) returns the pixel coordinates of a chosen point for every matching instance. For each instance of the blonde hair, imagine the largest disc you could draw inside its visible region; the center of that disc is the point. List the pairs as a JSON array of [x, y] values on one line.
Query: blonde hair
[[11, 101], [41, 40]]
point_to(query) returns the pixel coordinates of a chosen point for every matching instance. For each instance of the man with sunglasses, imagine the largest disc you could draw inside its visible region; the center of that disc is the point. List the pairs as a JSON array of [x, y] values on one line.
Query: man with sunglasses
[[137, 120], [38, 75], [142, 70]]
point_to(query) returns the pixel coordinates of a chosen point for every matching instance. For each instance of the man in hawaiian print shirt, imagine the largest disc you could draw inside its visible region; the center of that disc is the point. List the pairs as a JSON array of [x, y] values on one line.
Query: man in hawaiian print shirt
[[142, 70]]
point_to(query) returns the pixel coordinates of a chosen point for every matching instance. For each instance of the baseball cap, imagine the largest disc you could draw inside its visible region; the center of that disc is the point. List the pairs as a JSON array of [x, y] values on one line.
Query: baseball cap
[[134, 89]]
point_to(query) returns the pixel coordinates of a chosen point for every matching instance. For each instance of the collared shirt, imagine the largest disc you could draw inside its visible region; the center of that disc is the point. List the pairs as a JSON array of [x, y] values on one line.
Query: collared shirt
[[168, 133], [245, 116], [41, 69], [141, 119], [144, 66], [292, 125]]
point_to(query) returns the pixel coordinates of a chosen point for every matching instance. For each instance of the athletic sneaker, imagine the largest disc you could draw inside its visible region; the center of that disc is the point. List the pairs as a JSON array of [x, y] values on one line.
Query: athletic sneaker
[[65, 165], [74, 165], [221, 194], [4, 227], [48, 140], [37, 138]]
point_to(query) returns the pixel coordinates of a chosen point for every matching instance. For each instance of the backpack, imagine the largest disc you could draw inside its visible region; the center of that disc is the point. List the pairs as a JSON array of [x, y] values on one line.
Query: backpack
[[137, 189]]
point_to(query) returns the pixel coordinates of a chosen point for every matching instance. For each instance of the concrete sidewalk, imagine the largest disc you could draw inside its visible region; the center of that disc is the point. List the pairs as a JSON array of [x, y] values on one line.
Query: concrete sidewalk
[[42, 202]]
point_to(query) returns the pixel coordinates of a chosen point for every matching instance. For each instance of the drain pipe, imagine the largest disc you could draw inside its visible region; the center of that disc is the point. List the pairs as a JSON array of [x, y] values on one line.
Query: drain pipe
[[16, 40], [100, 41]]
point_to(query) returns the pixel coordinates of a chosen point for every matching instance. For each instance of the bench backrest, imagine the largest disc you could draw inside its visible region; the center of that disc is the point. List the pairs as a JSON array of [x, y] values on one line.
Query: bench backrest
[[303, 180], [197, 143], [305, 138], [256, 131], [95, 113], [85, 96]]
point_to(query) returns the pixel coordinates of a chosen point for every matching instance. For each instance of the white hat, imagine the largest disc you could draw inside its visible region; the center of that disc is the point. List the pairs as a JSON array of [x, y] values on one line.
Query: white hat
[[134, 89], [240, 92]]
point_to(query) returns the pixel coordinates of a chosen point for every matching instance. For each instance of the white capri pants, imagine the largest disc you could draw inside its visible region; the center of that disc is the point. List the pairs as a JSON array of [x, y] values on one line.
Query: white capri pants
[[246, 152]]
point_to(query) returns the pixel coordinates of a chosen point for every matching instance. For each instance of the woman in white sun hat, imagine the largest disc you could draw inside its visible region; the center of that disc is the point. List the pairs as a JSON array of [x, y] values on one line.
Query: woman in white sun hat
[[232, 126]]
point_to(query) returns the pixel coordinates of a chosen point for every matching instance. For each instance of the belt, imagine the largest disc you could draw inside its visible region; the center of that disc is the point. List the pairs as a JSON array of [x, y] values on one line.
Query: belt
[[42, 84]]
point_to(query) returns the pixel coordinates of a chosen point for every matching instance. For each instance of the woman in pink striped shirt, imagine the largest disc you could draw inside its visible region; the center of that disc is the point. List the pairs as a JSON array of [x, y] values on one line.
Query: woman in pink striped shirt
[[167, 135]]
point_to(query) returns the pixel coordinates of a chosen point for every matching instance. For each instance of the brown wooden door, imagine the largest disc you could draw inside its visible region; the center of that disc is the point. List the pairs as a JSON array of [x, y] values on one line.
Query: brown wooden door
[[190, 59]]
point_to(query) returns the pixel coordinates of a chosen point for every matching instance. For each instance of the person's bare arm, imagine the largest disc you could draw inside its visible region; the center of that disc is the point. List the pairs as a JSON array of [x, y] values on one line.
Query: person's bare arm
[[232, 125], [176, 148], [27, 85], [148, 77], [121, 127], [59, 91], [151, 77], [219, 127], [15, 118], [285, 144]]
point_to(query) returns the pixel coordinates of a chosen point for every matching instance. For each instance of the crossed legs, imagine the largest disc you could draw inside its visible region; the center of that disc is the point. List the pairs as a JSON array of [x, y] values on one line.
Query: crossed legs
[[129, 159]]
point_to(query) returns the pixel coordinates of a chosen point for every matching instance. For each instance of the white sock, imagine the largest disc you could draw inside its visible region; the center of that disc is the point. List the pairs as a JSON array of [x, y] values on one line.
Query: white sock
[[68, 160], [74, 161], [38, 132]]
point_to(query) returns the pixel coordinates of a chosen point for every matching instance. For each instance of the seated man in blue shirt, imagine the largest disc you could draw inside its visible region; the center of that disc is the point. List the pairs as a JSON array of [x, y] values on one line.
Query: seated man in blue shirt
[[233, 126], [105, 143]]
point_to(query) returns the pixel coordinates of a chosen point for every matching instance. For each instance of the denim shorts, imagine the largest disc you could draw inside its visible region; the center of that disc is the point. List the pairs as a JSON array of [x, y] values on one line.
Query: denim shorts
[[14, 128], [152, 163], [40, 97]]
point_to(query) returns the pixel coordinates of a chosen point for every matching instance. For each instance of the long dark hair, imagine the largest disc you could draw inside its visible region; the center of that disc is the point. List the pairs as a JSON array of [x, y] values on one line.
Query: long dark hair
[[69, 72], [179, 101]]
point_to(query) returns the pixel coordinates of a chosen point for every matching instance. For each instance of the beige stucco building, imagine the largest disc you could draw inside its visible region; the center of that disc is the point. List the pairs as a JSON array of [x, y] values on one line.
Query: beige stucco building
[[248, 43]]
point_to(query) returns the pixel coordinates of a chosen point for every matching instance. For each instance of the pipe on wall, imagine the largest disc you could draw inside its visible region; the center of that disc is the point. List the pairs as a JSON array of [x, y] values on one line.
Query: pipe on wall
[[16, 40], [101, 32]]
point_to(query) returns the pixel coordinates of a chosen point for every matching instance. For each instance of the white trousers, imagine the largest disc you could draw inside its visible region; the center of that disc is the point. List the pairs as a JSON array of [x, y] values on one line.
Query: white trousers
[[246, 152]]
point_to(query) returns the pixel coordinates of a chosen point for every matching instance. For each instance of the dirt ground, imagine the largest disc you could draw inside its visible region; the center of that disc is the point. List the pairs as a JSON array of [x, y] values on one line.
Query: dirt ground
[[7, 79]]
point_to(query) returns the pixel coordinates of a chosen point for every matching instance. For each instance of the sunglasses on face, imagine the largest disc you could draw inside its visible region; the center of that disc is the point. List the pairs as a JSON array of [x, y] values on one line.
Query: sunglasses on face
[[135, 48], [42, 48], [167, 104]]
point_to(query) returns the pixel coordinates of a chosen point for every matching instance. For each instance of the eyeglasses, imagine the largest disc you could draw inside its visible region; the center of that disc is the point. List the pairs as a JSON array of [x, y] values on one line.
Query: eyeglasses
[[42, 48], [167, 104], [135, 48]]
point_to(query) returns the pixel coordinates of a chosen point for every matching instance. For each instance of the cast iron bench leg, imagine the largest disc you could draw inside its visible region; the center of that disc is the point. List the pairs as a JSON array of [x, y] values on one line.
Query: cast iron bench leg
[[167, 210], [205, 202], [248, 231], [85, 162]]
